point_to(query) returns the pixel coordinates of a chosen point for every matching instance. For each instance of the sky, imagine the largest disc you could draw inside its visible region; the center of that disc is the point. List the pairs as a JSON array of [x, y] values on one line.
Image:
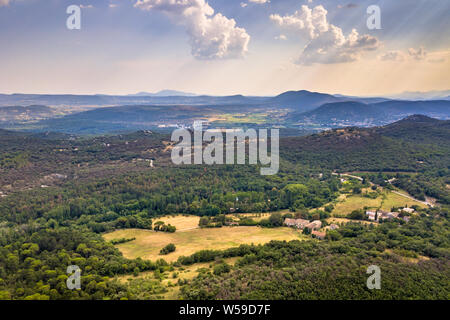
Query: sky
[[224, 47]]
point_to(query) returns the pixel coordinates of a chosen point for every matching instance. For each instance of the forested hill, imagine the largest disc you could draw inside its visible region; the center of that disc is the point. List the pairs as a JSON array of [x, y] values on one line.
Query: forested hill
[[419, 129], [369, 114], [412, 144]]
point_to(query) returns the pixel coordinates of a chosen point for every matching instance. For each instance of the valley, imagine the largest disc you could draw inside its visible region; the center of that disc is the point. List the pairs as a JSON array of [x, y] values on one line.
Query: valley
[[296, 112], [100, 197], [224, 159]]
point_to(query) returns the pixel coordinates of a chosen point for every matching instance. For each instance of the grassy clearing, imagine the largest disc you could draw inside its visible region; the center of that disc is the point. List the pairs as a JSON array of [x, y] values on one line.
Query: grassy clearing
[[148, 243], [256, 216], [184, 272], [258, 118], [385, 201], [181, 222], [345, 220], [396, 200], [170, 282], [355, 202]]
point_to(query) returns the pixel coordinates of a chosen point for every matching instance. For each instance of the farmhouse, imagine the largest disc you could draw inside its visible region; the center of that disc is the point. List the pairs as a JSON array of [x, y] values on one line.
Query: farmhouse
[[298, 223], [387, 215], [334, 226], [372, 215], [316, 224], [408, 210]]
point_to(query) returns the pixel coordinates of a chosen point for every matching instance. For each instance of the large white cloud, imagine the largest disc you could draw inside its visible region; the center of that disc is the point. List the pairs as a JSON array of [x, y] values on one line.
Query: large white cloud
[[212, 36], [327, 42]]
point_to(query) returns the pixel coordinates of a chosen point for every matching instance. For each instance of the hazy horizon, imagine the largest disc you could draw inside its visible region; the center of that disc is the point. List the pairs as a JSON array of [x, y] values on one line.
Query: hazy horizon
[[155, 94]]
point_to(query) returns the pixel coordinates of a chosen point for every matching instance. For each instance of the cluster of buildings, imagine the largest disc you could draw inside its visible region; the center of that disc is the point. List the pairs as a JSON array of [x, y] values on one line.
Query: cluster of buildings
[[302, 223], [378, 215], [314, 226]]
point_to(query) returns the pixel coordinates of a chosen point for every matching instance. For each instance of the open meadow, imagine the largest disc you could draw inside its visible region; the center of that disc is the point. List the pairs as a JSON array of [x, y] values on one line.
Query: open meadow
[[148, 243], [385, 201]]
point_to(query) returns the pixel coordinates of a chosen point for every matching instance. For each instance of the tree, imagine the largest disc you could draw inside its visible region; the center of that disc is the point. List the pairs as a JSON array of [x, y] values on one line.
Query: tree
[[357, 190], [356, 215], [276, 220], [204, 221], [168, 249], [221, 268]]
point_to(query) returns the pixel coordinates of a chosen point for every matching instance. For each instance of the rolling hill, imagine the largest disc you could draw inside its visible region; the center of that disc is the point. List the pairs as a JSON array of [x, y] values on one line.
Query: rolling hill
[[410, 144], [352, 113], [302, 100]]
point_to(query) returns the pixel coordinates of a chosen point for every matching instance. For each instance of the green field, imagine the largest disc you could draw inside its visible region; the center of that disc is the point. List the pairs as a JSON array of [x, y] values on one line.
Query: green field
[[395, 200], [385, 201], [258, 118], [355, 202]]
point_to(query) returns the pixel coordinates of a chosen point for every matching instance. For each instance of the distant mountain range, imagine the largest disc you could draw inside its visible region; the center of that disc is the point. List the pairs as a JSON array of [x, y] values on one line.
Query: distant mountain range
[[293, 109], [105, 100], [430, 95], [164, 93]]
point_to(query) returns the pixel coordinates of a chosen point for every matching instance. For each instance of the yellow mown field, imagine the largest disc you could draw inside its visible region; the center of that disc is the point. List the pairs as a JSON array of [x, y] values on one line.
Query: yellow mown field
[[148, 243], [180, 222]]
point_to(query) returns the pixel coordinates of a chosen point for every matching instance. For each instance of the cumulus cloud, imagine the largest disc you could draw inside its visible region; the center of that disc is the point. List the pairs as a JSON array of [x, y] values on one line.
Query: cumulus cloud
[[393, 55], [419, 54], [327, 42], [281, 37], [259, 1], [211, 35]]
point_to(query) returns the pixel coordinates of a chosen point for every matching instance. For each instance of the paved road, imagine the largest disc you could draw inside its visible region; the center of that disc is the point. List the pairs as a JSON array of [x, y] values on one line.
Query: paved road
[[354, 177], [347, 175]]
